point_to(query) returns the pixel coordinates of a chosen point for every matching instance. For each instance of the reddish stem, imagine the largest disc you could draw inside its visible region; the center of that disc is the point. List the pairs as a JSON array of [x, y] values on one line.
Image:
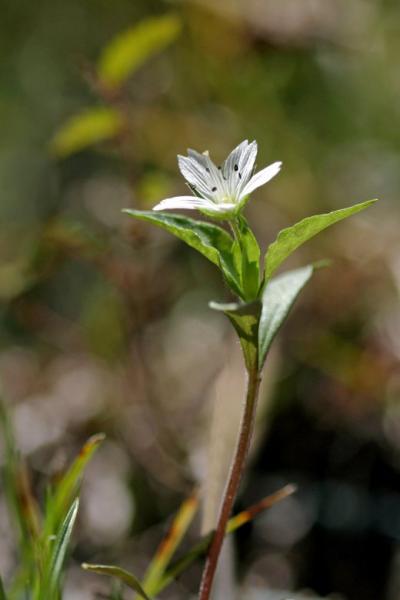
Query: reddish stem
[[237, 467]]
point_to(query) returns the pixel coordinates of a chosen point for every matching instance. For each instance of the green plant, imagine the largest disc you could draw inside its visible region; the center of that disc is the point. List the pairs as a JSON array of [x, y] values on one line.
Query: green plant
[[44, 535], [263, 301]]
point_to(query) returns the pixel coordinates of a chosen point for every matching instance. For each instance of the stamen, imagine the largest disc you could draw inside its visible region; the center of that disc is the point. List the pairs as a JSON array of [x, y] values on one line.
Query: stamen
[[240, 176], [236, 168], [214, 189], [207, 169]]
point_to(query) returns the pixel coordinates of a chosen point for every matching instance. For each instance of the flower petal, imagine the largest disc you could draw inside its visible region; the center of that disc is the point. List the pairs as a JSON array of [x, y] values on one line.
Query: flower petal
[[260, 178], [247, 160], [235, 157], [195, 175], [198, 157], [185, 202]]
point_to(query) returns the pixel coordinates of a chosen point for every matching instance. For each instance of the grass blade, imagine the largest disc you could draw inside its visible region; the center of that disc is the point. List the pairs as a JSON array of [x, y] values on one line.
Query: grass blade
[[56, 563], [237, 521], [68, 486], [255, 509], [121, 574], [169, 544], [21, 503]]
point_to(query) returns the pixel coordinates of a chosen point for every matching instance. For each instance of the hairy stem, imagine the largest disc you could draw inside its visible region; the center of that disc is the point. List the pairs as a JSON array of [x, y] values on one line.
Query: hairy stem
[[235, 476]]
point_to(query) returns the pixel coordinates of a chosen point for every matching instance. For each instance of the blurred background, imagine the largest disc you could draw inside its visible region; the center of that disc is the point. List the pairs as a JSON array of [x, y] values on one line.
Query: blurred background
[[105, 324]]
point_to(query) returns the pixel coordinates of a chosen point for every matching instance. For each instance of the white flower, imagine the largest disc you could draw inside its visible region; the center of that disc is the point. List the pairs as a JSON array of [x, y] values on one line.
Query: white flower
[[220, 191]]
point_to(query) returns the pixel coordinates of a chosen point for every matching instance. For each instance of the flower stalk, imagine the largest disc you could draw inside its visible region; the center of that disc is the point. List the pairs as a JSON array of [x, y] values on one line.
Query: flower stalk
[[235, 477]]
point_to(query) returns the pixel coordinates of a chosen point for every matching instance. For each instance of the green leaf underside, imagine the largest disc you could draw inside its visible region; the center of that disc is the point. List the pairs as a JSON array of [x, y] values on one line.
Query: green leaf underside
[[133, 47], [210, 240], [277, 300], [88, 127], [245, 319], [291, 238], [121, 574], [60, 549]]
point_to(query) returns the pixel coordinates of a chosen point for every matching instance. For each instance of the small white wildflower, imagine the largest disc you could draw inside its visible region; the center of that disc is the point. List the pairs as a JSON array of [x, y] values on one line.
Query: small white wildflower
[[220, 191]]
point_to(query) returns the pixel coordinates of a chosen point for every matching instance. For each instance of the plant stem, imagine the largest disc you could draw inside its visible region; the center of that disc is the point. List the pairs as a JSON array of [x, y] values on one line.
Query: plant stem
[[235, 476]]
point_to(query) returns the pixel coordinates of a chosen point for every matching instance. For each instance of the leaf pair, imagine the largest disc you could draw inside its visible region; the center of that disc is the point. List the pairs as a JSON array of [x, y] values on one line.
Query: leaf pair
[[264, 302], [239, 259]]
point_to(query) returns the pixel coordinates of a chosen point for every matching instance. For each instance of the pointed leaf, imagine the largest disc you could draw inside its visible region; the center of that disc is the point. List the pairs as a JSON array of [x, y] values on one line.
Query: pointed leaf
[[169, 544], [210, 240], [68, 486], [277, 300], [121, 574], [291, 238], [131, 48], [59, 552], [89, 127], [200, 548], [250, 513], [17, 487], [245, 319]]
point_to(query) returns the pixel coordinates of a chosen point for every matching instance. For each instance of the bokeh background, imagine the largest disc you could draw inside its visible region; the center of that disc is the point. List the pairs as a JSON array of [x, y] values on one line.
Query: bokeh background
[[105, 324]]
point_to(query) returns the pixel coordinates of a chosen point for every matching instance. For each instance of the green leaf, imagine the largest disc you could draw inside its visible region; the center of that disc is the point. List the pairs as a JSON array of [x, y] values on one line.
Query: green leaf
[[291, 238], [85, 129], [245, 319], [125, 576], [210, 240], [133, 47], [200, 548], [247, 258], [67, 488], [180, 524], [61, 543], [277, 300], [21, 502]]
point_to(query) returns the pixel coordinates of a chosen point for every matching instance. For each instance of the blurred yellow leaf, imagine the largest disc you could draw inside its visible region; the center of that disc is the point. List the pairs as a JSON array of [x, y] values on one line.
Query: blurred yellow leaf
[[131, 48], [14, 278], [86, 128]]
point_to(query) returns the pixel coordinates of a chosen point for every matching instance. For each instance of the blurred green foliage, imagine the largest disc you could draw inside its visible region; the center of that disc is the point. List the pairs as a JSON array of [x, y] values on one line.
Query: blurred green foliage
[[43, 536], [92, 304]]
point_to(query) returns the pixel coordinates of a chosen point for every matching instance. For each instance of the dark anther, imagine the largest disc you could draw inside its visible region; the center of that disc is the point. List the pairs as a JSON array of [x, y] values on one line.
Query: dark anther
[[214, 189], [207, 169], [219, 168], [236, 168], [240, 176]]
